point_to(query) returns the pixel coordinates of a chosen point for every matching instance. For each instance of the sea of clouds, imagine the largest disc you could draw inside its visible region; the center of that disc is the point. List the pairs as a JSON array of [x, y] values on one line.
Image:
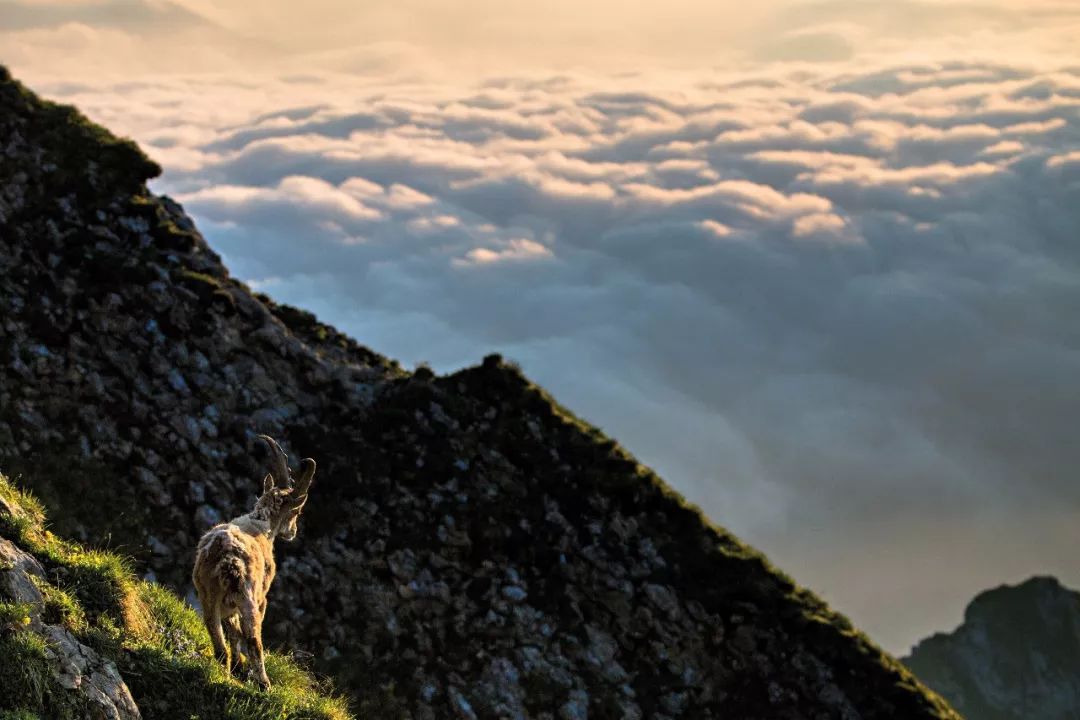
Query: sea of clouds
[[835, 306]]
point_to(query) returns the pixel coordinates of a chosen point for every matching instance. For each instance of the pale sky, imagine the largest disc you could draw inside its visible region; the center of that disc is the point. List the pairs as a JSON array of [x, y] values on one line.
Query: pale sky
[[815, 262], [483, 37]]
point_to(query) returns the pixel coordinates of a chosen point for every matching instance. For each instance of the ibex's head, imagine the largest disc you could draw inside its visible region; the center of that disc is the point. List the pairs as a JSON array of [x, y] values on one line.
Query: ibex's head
[[283, 495]]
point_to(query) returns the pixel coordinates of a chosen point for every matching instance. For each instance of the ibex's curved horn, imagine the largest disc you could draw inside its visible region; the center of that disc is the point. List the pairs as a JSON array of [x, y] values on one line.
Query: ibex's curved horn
[[300, 491], [307, 472], [279, 463]]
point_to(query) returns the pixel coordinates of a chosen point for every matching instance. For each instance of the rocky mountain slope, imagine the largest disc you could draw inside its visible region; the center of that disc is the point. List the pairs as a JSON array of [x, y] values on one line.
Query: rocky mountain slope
[[470, 549], [1015, 657], [82, 639]]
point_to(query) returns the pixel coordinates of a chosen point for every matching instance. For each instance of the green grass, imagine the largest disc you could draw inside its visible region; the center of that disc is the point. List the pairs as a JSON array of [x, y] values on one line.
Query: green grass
[[18, 715], [199, 278], [13, 614], [156, 640], [61, 607]]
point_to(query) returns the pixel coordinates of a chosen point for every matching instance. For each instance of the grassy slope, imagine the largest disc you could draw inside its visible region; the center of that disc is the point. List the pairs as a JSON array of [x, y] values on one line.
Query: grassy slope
[[157, 642]]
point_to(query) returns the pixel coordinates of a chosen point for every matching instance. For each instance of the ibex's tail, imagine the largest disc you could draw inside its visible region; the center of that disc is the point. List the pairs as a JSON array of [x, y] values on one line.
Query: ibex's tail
[[232, 570], [229, 569]]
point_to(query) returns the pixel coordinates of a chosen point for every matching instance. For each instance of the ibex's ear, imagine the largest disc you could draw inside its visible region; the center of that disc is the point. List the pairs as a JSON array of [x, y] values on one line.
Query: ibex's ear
[[268, 484]]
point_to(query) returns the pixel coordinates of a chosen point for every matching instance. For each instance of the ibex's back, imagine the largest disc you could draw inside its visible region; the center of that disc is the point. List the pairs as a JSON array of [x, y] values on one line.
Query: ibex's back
[[234, 563]]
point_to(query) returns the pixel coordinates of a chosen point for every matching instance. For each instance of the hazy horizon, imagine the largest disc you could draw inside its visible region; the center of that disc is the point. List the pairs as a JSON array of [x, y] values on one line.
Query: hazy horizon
[[815, 262]]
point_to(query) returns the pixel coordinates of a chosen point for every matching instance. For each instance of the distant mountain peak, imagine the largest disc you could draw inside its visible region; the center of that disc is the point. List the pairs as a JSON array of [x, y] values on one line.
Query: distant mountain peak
[[1015, 657]]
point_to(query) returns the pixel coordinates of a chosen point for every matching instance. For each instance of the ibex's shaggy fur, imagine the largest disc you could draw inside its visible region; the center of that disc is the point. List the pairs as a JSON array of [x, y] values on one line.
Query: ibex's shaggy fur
[[234, 563]]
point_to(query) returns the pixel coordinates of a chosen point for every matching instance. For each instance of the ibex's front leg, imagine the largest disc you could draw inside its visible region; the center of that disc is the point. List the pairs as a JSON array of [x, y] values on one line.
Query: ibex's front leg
[[251, 625]]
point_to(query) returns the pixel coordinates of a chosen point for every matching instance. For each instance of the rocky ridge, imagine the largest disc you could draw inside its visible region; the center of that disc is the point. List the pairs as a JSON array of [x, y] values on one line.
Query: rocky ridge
[[1016, 656], [470, 549]]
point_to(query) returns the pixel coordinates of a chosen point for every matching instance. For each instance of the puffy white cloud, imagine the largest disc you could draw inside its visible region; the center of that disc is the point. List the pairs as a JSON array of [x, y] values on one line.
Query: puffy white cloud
[[516, 249], [1064, 160]]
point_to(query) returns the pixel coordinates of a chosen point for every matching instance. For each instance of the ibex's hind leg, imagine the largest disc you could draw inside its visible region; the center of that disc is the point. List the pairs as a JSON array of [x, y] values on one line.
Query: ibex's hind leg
[[212, 619], [234, 636], [251, 625]]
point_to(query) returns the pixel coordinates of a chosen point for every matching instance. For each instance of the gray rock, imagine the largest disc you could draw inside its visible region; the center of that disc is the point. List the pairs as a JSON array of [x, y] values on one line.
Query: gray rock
[[462, 708], [73, 665], [80, 669], [514, 594], [576, 707], [17, 569]]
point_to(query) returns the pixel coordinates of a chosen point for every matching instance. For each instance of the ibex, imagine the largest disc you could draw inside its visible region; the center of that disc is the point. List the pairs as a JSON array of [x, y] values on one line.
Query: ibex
[[234, 563]]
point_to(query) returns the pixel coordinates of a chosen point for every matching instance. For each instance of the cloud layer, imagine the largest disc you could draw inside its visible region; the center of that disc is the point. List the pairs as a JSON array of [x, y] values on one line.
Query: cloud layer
[[833, 305]]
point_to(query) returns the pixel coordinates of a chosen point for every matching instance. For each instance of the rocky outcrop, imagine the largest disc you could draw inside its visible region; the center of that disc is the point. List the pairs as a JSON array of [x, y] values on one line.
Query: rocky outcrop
[[1015, 657], [80, 669], [91, 682], [470, 549]]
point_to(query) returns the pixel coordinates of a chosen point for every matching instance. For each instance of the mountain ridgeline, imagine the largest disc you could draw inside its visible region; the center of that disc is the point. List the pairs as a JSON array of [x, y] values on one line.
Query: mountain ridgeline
[[470, 548], [1015, 657]]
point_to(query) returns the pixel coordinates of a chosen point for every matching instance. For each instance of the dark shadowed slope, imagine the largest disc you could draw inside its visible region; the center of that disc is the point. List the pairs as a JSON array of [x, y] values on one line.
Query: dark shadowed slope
[[1015, 657], [470, 549]]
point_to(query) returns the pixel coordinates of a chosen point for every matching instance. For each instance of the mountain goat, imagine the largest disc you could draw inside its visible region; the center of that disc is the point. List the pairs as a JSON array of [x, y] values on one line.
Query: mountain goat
[[234, 563]]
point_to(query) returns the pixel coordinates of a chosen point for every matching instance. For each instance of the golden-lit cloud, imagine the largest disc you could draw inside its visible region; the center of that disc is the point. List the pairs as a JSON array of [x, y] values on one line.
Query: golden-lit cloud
[[514, 250]]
